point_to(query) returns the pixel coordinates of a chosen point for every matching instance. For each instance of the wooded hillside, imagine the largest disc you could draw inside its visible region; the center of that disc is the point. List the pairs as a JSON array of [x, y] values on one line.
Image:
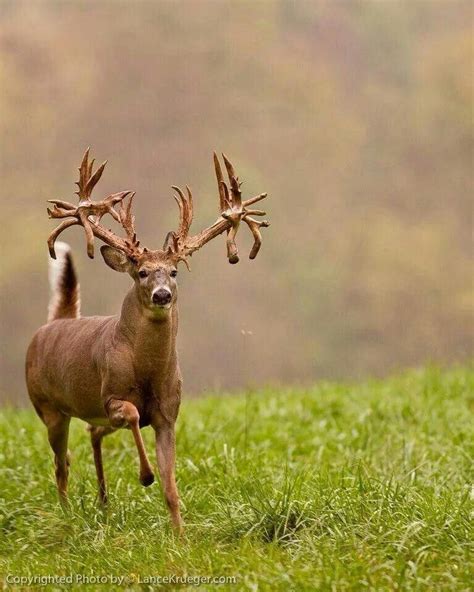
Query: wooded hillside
[[355, 117]]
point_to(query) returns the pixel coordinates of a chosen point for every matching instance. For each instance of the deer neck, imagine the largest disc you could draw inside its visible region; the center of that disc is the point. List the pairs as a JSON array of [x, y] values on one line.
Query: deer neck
[[152, 340]]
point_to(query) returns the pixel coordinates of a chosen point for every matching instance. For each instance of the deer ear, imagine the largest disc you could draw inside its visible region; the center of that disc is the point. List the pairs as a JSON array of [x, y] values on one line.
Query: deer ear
[[115, 259]]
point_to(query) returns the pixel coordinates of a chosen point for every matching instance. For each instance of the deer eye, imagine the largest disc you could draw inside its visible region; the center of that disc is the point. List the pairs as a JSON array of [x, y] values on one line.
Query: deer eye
[[173, 272], [143, 273]]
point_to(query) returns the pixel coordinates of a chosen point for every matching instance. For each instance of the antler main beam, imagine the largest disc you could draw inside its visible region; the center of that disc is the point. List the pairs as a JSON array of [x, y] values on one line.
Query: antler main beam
[[88, 213], [233, 212]]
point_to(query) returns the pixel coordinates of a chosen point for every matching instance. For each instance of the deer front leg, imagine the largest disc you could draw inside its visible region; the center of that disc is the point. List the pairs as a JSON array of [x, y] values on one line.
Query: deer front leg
[[121, 413], [165, 455]]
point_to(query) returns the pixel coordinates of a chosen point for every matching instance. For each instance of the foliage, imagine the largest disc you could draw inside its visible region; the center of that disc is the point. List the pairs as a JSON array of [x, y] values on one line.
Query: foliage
[[336, 487], [355, 117]]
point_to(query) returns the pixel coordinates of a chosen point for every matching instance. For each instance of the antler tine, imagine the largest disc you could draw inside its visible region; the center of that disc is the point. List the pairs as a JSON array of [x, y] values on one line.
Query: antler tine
[[56, 232], [83, 175], [190, 206], [220, 184], [61, 204], [232, 250], [89, 170], [92, 182], [185, 204], [234, 183], [183, 212], [127, 219], [255, 226], [252, 200], [256, 213], [88, 213], [107, 206], [180, 206], [83, 217]]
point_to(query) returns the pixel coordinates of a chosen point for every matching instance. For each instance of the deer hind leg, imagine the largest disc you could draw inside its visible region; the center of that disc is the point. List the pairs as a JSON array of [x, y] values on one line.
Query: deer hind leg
[[97, 433], [58, 431], [123, 413], [166, 458]]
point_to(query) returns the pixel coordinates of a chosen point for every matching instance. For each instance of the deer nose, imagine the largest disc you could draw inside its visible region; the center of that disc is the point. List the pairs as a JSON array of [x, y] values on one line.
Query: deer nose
[[161, 296]]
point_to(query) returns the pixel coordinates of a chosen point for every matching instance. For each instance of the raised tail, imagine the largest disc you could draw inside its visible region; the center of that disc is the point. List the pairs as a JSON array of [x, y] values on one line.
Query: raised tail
[[65, 300]]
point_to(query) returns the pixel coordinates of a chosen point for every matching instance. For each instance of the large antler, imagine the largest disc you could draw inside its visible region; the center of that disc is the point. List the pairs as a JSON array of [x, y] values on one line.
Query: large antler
[[233, 211], [89, 213]]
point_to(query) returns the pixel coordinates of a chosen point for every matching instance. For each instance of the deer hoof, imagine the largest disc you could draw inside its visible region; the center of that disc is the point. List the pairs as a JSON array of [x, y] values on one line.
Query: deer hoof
[[147, 479]]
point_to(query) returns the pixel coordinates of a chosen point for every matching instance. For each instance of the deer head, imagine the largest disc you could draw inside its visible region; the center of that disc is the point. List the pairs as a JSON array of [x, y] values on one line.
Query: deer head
[[154, 271]]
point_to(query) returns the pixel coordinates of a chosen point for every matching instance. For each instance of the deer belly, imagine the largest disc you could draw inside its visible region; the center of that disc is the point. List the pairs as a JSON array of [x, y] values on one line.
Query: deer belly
[[97, 421]]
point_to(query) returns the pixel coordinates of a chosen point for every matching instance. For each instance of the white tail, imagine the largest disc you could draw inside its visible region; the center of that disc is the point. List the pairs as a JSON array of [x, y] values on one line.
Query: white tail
[[65, 300]]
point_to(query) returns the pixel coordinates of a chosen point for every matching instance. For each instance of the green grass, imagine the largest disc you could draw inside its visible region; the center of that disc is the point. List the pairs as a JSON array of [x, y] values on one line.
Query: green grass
[[336, 487]]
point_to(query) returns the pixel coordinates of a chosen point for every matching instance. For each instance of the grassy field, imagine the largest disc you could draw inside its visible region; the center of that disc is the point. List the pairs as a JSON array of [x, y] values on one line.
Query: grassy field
[[337, 487]]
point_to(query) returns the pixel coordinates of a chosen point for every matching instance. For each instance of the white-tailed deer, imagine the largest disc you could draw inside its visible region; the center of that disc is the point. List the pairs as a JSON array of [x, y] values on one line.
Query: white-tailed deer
[[122, 371]]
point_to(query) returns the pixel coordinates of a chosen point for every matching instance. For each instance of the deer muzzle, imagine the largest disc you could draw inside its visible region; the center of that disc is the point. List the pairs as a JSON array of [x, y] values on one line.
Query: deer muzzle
[[161, 297]]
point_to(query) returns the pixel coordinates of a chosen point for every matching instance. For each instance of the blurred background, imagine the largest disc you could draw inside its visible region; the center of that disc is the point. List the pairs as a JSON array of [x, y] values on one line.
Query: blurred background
[[355, 117]]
